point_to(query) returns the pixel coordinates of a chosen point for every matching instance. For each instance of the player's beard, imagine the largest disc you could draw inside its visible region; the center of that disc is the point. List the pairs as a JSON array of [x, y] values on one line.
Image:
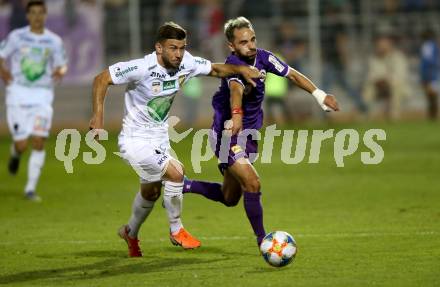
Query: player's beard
[[248, 57], [170, 65]]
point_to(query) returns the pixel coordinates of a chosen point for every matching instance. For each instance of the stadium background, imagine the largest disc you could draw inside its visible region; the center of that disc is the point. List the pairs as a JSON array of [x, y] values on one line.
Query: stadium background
[[361, 225], [305, 33]]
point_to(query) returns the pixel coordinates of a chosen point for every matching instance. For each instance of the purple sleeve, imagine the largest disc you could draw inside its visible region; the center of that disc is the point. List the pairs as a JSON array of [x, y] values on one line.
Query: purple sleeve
[[274, 65], [233, 60]]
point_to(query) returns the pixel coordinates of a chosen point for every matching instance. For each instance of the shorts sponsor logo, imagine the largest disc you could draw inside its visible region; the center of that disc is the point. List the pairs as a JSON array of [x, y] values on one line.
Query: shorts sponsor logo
[[41, 124], [236, 149], [162, 159]]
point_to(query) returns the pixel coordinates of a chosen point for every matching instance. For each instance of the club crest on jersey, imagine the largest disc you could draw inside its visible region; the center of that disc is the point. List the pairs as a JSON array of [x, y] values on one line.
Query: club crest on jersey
[[169, 85], [263, 74], [155, 88], [181, 79]]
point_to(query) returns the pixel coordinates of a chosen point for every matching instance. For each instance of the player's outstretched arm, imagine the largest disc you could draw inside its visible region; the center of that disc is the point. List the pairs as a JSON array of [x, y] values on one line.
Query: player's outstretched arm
[[5, 75], [224, 70], [100, 86], [236, 123], [325, 100]]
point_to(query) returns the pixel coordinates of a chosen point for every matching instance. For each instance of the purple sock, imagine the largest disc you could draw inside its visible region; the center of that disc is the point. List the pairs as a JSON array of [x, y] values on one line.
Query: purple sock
[[254, 212], [210, 190]]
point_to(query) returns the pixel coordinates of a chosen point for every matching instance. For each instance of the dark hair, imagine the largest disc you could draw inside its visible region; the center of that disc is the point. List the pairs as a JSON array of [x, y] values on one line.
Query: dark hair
[[35, 3], [236, 23], [170, 30]]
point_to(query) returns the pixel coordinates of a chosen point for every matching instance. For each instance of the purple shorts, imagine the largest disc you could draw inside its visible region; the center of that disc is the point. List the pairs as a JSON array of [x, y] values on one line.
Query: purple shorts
[[229, 149]]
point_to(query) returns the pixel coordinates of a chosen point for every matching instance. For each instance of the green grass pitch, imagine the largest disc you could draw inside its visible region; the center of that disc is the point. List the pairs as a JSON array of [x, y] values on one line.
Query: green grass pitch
[[359, 225]]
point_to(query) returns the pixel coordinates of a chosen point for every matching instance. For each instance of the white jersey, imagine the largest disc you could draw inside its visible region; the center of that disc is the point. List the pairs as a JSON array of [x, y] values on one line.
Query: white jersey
[[151, 89], [33, 57]]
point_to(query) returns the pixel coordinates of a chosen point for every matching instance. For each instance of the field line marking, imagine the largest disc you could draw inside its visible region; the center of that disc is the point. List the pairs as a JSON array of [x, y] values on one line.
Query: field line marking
[[216, 238]]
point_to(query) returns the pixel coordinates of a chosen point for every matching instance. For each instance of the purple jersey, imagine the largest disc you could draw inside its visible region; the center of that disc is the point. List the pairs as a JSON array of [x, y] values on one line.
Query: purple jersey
[[266, 62]]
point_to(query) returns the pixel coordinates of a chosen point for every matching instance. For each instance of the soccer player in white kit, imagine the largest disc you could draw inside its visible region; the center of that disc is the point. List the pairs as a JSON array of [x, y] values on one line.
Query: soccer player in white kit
[[153, 81], [37, 61]]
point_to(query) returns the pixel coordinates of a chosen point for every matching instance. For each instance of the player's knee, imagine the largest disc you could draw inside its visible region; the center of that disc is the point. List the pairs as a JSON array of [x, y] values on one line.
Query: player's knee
[[38, 144], [21, 146], [231, 201], [231, 195], [175, 171], [252, 185], [150, 194]]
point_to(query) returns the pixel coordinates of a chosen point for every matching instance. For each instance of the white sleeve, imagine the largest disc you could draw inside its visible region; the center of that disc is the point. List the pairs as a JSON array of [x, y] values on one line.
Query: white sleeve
[[7, 46], [126, 72], [201, 66], [59, 57]]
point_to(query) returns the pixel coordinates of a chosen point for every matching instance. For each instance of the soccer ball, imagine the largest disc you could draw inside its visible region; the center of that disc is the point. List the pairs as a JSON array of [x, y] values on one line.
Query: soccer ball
[[278, 248]]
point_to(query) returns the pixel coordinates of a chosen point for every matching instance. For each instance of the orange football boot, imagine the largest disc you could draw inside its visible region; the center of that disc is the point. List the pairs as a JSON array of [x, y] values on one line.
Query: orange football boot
[[185, 239]]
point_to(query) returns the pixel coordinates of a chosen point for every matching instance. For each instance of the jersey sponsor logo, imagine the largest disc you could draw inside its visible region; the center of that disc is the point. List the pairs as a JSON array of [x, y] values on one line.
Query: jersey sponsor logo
[[45, 41], [159, 107], [278, 66], [168, 85], [33, 63], [157, 75], [200, 61], [26, 38], [155, 88], [120, 73]]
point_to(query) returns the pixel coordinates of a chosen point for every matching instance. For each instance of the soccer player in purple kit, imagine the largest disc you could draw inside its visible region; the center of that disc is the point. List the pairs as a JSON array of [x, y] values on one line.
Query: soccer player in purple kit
[[237, 107]]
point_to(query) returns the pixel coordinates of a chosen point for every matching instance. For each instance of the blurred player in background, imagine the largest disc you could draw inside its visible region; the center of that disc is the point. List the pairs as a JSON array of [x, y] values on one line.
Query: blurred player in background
[[387, 82], [237, 107], [153, 82], [37, 61], [429, 70]]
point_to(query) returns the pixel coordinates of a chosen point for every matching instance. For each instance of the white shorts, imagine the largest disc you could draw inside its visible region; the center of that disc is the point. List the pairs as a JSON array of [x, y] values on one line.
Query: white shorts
[[27, 120], [148, 157]]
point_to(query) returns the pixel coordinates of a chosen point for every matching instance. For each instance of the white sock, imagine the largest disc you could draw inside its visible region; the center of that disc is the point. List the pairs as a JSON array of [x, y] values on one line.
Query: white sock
[[172, 199], [36, 162], [141, 208]]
